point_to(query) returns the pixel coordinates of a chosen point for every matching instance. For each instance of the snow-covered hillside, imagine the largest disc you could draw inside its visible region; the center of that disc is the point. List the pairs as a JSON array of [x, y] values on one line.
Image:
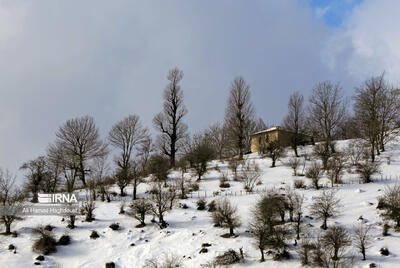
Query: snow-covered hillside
[[189, 228]]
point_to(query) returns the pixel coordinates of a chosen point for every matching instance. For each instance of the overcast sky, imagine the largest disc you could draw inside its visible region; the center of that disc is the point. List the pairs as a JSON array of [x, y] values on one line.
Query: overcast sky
[[108, 59]]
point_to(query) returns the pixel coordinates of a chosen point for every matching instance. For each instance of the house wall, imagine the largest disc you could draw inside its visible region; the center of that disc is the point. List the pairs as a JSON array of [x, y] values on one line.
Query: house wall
[[261, 140]]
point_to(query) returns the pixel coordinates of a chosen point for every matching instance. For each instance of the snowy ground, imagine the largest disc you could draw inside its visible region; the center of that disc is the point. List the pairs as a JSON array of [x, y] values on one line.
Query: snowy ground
[[189, 228]]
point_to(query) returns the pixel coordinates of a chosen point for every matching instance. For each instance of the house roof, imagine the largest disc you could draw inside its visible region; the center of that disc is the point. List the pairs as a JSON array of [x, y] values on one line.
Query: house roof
[[274, 128], [269, 130]]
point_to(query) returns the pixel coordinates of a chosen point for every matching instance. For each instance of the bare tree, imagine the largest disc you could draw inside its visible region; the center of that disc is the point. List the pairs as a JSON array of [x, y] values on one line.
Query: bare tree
[[265, 224], [356, 151], [327, 110], [326, 206], [335, 240], [10, 200], [314, 173], [159, 168], [88, 206], [298, 202], [391, 204], [250, 175], [368, 103], [79, 139], [127, 135], [139, 209], [169, 123], [295, 119], [239, 114], [218, 136], [140, 164], [200, 154], [36, 174], [274, 150], [323, 152], [335, 168], [362, 239], [226, 215], [69, 165], [294, 163], [160, 202]]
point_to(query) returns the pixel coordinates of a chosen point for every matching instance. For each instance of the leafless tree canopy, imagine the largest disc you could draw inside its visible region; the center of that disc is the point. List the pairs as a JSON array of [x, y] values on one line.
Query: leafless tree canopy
[[128, 135], [37, 173], [79, 139], [327, 110], [362, 239], [169, 122], [239, 114], [325, 206], [295, 119], [377, 110], [10, 200]]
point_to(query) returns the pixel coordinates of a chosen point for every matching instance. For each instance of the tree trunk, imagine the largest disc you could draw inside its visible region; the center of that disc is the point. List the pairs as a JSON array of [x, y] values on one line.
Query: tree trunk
[[134, 190], [262, 255], [8, 228], [324, 225], [231, 233]]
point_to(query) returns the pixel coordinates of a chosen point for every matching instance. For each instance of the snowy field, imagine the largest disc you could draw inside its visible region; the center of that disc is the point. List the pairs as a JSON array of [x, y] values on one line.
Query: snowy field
[[189, 228]]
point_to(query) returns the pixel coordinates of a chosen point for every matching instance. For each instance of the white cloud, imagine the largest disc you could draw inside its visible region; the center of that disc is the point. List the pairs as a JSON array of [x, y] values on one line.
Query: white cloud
[[369, 41]]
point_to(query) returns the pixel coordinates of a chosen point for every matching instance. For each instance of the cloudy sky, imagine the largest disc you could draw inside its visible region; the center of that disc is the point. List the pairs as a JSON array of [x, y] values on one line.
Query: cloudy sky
[[108, 59]]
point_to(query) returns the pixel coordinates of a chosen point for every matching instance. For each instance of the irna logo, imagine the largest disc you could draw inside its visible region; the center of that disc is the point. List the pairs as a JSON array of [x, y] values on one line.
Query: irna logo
[[57, 198]]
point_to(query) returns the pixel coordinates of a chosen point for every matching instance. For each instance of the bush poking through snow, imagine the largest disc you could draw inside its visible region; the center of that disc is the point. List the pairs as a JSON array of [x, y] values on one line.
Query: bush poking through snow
[[167, 261], [64, 240], [211, 206], [139, 209], [227, 258], [201, 204], [250, 175], [114, 226], [46, 243], [110, 265], [366, 169], [391, 199], [385, 229], [384, 251], [314, 173], [226, 215], [299, 184], [94, 235]]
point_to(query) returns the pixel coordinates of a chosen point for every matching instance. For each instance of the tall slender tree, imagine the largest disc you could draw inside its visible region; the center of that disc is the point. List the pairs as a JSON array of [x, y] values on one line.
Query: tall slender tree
[[169, 122], [294, 120], [239, 114]]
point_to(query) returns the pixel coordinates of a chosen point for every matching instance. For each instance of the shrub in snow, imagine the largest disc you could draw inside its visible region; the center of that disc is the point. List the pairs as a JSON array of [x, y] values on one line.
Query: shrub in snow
[[337, 239], [223, 182], [226, 215], [11, 247], [40, 258], [114, 226], [166, 261], [294, 163], [94, 235], [110, 265], [201, 204], [385, 229], [139, 209], [227, 258], [366, 169], [49, 227], [384, 251], [211, 206], [391, 200], [46, 243], [64, 240], [314, 172], [299, 184], [250, 175]]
